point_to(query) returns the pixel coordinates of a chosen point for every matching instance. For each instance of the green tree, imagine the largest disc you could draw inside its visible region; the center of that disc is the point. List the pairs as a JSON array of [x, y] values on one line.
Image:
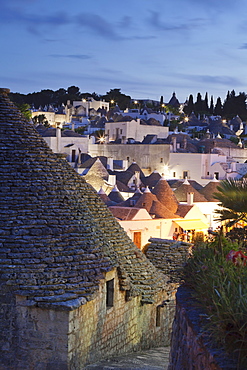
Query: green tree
[[25, 110], [198, 104], [232, 195], [73, 90], [211, 108], [122, 100], [40, 120], [60, 96], [205, 104], [235, 105], [218, 107], [189, 107]]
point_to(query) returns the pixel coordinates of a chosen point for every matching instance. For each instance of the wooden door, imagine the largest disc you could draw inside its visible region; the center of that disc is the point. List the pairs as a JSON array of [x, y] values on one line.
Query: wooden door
[[137, 239]]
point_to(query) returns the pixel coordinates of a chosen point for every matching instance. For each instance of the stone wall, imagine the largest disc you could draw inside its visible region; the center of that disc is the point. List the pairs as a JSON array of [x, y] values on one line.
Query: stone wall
[[70, 339], [169, 256], [191, 347], [42, 338], [97, 332]]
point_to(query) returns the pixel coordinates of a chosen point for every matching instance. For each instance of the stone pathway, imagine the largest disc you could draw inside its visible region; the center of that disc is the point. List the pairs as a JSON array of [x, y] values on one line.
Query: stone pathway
[[152, 359]]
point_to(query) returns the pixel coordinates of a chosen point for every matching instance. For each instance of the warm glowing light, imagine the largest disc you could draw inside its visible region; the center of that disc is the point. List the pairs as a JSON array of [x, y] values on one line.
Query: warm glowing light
[[166, 171], [112, 101], [135, 102], [186, 119], [101, 139], [224, 121], [84, 100]]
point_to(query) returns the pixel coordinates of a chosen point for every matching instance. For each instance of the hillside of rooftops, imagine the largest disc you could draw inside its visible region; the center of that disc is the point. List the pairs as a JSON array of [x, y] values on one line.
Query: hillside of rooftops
[[88, 112]]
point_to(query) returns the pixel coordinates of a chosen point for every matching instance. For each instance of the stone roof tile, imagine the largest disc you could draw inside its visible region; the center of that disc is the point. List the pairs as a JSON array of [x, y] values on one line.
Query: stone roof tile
[[57, 237]]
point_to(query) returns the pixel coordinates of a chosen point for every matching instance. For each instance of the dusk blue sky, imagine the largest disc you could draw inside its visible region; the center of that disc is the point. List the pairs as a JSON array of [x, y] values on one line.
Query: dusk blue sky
[[146, 48]]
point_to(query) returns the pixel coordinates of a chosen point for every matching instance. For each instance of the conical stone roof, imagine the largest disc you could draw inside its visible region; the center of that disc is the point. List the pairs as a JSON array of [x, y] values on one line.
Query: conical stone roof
[[165, 195], [209, 190], [57, 237], [97, 175], [182, 190], [160, 211], [115, 195]]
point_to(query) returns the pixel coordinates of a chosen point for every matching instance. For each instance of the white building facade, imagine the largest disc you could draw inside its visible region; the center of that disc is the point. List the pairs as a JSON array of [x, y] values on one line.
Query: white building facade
[[134, 130]]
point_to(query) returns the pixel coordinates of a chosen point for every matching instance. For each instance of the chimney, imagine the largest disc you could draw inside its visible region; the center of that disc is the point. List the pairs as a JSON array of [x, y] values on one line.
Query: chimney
[[110, 163], [137, 176], [174, 144], [112, 180], [190, 198], [234, 166], [185, 142], [58, 137], [87, 109]]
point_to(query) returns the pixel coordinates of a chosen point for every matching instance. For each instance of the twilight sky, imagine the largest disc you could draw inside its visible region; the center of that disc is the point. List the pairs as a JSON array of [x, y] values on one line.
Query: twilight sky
[[148, 48]]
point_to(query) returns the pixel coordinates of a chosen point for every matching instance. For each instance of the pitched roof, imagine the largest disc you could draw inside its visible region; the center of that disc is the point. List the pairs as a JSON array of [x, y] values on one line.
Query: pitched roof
[[131, 201], [183, 209], [124, 213], [152, 179], [182, 190], [58, 237], [51, 132], [134, 167], [91, 160], [211, 145], [193, 183]]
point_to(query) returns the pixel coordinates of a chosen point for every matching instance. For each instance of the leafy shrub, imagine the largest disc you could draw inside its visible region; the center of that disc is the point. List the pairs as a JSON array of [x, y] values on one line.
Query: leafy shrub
[[238, 234], [217, 274]]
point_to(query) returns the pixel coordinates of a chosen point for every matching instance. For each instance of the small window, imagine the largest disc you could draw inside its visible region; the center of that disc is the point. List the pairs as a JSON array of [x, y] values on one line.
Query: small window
[[161, 160], [73, 155], [132, 202], [216, 174], [207, 173], [185, 174], [109, 293], [158, 316], [174, 174], [128, 158]]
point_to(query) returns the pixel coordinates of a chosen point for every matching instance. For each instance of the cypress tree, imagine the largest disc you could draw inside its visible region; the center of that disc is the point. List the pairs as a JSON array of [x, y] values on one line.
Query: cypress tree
[[199, 104], [218, 107], [206, 107], [189, 108], [211, 109]]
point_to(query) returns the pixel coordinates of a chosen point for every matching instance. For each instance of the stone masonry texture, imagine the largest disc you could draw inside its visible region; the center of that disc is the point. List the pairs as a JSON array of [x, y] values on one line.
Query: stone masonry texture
[[191, 346], [58, 243]]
